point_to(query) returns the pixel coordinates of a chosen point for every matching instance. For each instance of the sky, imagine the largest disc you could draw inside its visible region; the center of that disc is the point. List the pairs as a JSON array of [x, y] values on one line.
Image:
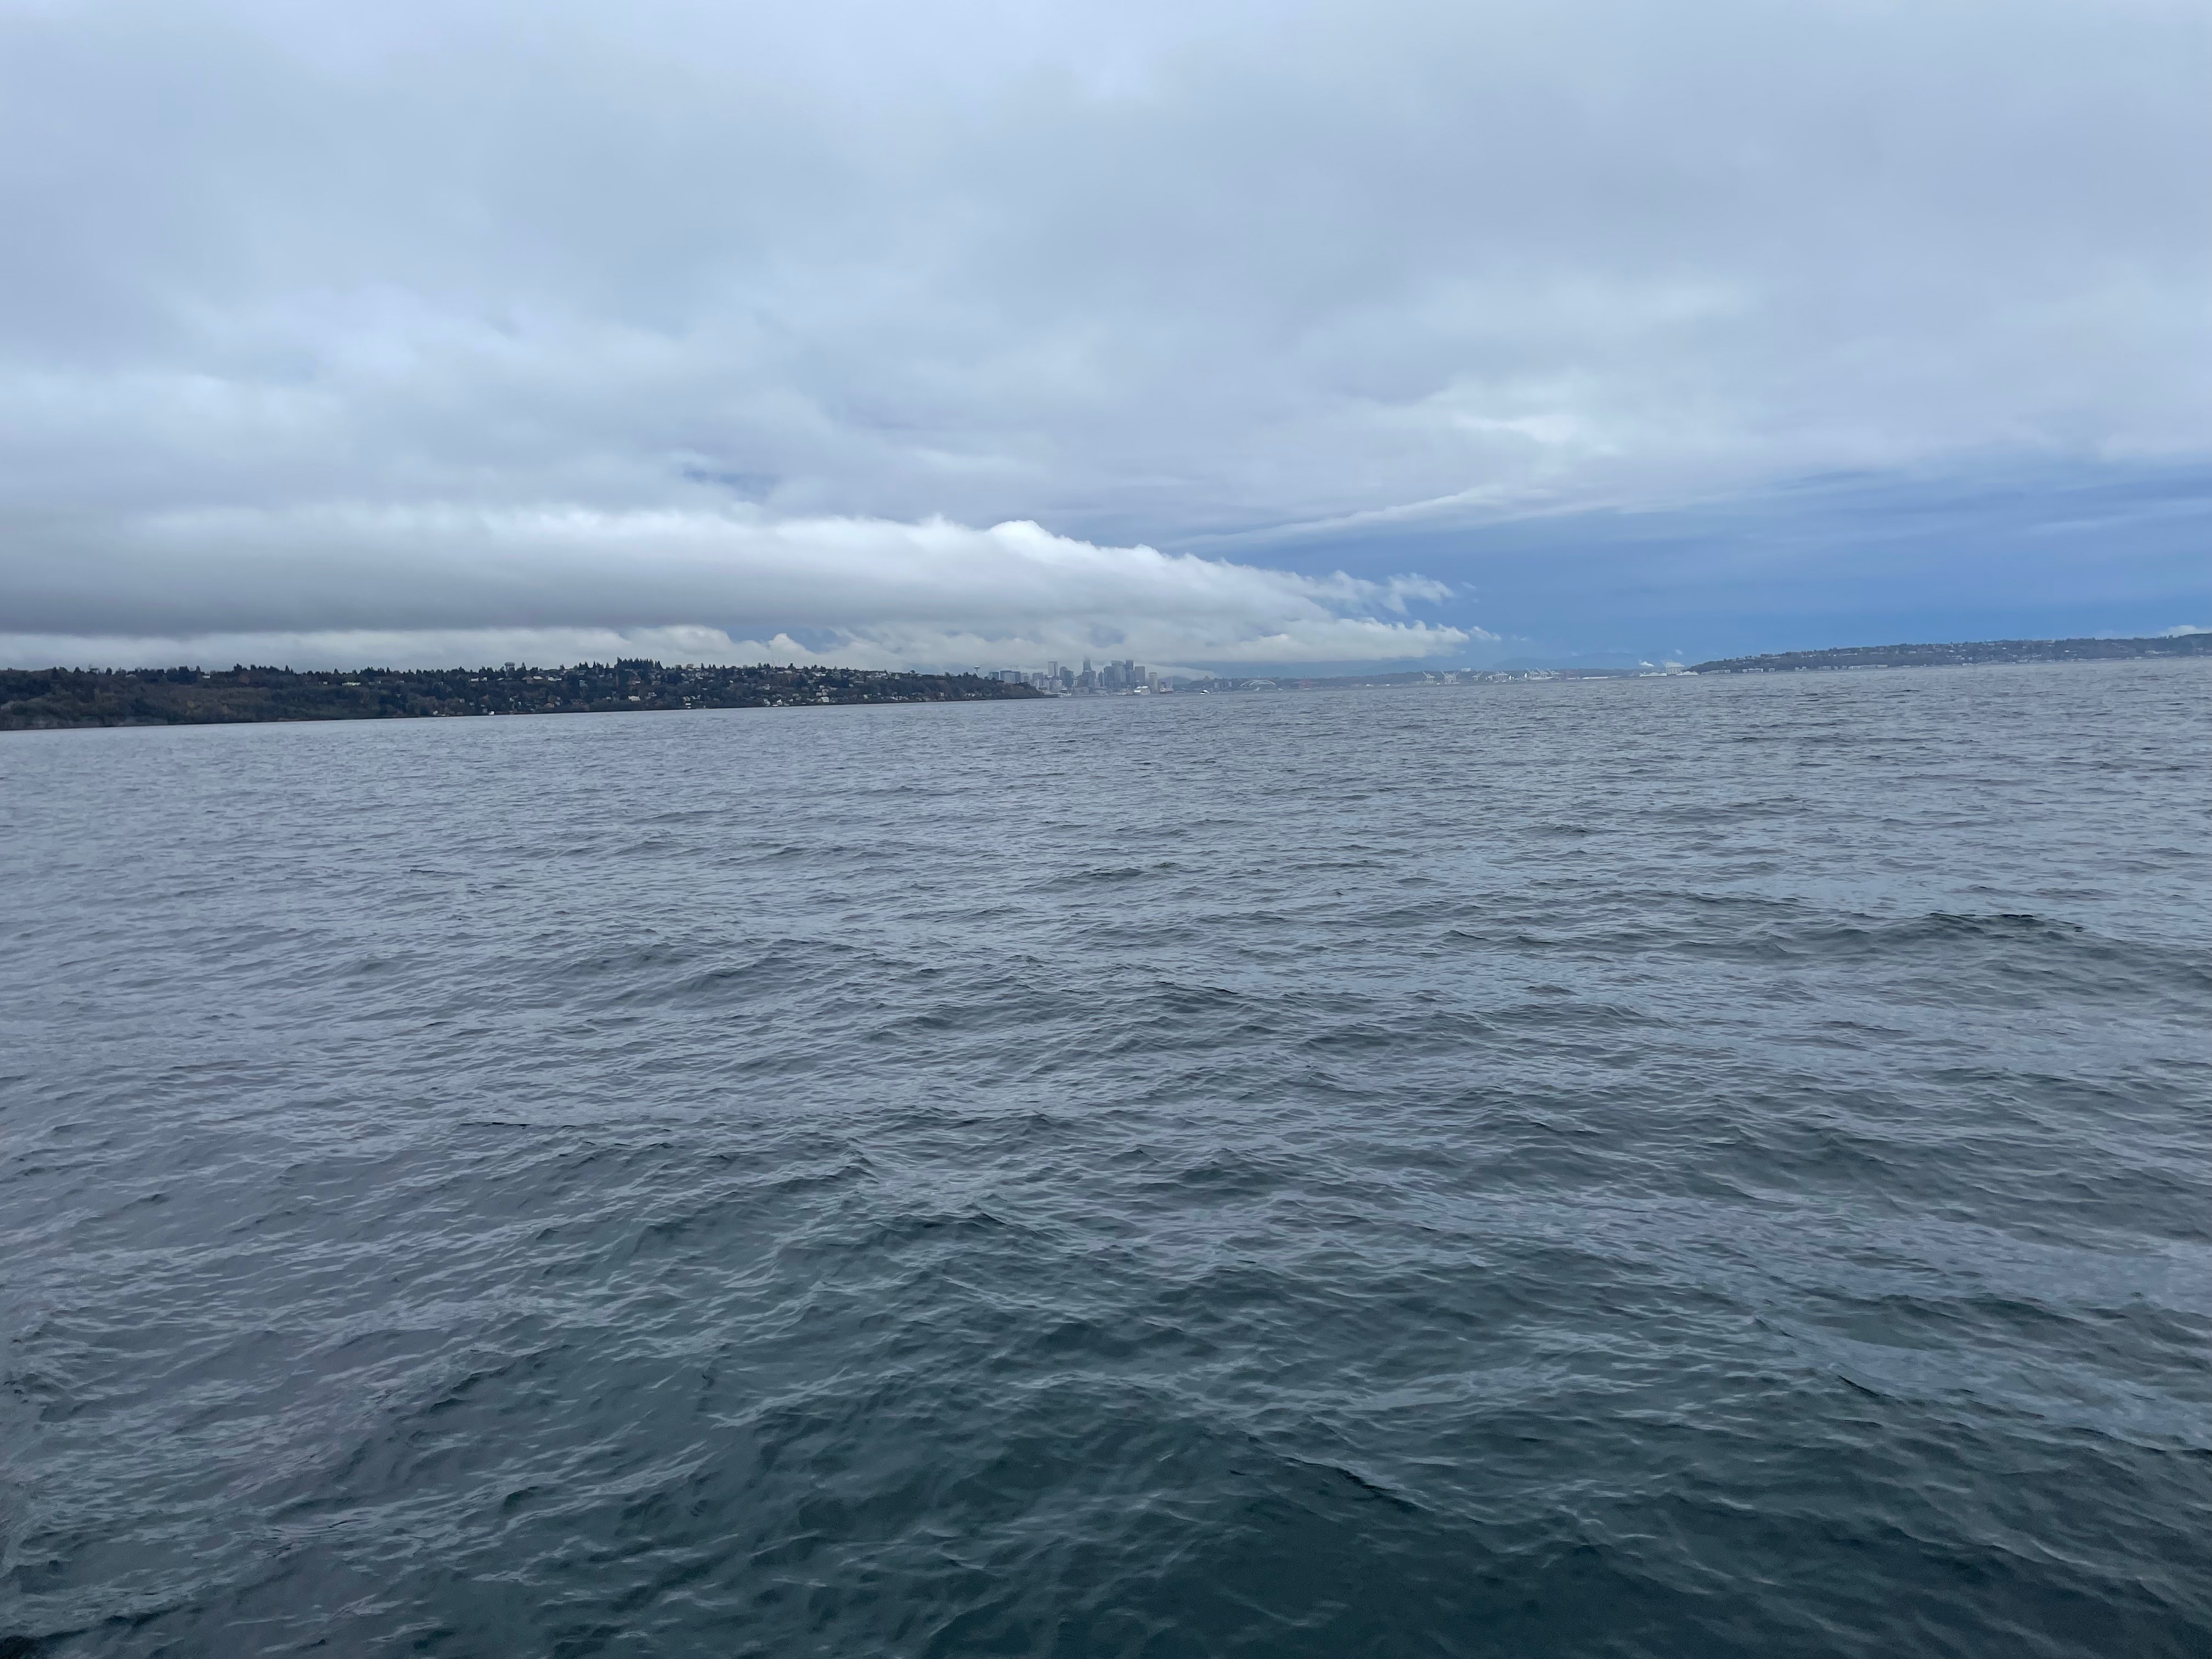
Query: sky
[[1213, 334]]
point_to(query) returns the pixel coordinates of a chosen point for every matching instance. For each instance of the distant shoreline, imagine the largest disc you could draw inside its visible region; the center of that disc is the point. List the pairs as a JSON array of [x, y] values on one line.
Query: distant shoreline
[[1961, 654], [71, 699]]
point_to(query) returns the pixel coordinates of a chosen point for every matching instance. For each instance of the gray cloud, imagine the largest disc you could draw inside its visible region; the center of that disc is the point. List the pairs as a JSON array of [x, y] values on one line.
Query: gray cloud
[[320, 584], [316, 323]]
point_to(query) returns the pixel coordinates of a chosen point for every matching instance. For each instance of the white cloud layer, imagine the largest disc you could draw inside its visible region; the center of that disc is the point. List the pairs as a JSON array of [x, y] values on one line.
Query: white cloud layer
[[485, 316], [326, 587]]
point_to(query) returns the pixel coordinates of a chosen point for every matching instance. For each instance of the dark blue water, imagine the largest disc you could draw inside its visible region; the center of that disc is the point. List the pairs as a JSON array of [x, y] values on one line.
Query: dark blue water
[[1676, 1168]]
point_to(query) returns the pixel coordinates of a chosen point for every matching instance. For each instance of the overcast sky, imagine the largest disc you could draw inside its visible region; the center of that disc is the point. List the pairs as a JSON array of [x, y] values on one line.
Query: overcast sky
[[1202, 333]]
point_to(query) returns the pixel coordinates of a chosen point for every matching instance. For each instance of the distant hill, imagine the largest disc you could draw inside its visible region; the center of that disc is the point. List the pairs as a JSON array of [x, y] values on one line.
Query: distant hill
[[1946, 656], [44, 699]]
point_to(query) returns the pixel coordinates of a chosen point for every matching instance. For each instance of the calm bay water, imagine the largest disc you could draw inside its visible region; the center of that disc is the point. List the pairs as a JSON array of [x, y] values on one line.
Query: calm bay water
[[1686, 1167]]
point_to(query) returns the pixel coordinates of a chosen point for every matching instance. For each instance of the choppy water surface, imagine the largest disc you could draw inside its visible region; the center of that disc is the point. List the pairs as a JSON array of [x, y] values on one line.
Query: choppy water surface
[[1687, 1169]]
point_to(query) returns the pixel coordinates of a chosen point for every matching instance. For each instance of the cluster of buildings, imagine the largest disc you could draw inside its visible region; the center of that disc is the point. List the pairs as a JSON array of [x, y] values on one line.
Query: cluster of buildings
[[1114, 678], [1126, 678]]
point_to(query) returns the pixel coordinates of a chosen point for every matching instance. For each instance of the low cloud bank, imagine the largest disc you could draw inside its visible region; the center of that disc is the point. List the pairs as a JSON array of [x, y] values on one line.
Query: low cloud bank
[[340, 586]]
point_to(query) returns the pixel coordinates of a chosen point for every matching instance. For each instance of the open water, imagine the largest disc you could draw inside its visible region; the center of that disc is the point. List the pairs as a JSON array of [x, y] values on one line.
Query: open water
[[1684, 1168]]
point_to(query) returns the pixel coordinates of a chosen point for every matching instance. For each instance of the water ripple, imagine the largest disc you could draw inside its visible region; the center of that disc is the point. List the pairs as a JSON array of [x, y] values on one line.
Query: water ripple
[[1671, 1169]]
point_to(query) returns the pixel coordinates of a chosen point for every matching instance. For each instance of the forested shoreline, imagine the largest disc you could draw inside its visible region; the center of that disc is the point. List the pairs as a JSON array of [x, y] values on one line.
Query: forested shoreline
[[1961, 652], [64, 698]]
